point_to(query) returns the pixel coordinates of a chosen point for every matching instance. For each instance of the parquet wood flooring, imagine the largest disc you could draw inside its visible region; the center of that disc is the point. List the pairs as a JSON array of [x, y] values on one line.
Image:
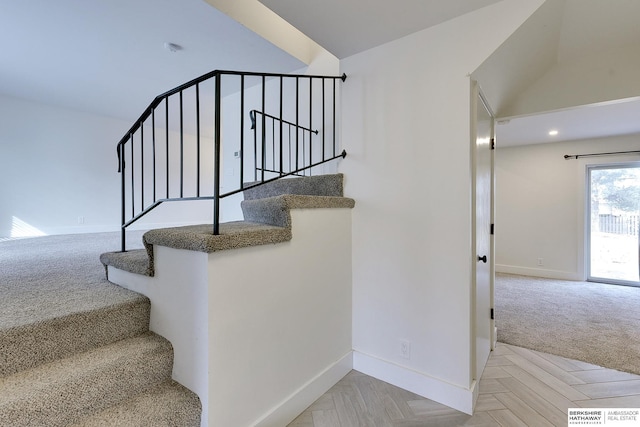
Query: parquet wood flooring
[[519, 387]]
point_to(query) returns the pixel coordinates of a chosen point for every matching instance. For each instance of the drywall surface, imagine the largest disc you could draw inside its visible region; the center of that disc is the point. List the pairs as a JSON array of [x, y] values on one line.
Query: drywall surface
[[406, 127], [59, 174], [541, 205], [59, 169], [178, 294], [279, 320]]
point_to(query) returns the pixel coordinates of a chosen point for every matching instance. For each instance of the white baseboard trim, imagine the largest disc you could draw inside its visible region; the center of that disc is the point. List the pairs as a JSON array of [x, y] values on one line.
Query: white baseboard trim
[[456, 397], [538, 272], [287, 410]]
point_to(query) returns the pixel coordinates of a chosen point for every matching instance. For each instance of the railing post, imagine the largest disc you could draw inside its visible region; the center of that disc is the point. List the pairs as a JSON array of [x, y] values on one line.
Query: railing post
[[122, 197], [216, 159]]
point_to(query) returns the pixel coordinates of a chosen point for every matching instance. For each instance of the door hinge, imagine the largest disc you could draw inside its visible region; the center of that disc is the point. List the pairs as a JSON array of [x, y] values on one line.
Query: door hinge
[[492, 318], [493, 143], [492, 228]]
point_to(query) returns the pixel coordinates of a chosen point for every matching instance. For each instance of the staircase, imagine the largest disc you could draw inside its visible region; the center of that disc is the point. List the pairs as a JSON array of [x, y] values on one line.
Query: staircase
[[169, 271], [82, 354], [267, 220]]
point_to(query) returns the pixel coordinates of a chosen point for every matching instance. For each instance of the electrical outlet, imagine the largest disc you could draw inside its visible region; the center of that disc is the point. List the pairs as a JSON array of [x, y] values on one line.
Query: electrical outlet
[[405, 349], [540, 262], [80, 220]]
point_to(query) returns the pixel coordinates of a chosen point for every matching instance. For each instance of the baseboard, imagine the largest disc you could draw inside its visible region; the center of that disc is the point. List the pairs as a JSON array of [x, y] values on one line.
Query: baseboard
[[287, 410], [456, 397], [538, 272]]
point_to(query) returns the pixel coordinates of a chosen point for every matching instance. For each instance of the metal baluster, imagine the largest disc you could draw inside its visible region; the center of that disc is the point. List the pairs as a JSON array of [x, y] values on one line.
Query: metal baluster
[[242, 131], [133, 184], [216, 159], [142, 166], [297, 120], [153, 144], [264, 130], [181, 148], [324, 123], [310, 123], [281, 123], [197, 140], [166, 125]]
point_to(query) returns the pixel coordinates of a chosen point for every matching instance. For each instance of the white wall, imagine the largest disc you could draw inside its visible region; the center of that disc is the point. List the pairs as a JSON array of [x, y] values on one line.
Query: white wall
[[406, 127], [57, 165], [60, 164], [541, 207]]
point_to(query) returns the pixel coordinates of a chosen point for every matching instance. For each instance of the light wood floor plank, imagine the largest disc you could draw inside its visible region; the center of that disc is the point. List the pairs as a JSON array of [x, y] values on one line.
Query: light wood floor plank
[[566, 364], [610, 389], [560, 386], [522, 410], [499, 361], [494, 372], [326, 418], [491, 385], [506, 418], [556, 399], [611, 402], [604, 375], [488, 402], [548, 366], [537, 402]]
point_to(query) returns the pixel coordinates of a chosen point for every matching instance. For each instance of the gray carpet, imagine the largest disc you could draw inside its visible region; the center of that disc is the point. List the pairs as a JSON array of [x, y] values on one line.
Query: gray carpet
[[44, 277], [591, 322], [75, 348]]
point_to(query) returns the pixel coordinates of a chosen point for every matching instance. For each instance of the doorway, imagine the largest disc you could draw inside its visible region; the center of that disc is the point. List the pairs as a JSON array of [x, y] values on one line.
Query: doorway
[[482, 202], [613, 233]]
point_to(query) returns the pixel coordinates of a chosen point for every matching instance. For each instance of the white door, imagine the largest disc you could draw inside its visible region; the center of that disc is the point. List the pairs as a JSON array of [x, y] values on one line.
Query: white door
[[483, 257]]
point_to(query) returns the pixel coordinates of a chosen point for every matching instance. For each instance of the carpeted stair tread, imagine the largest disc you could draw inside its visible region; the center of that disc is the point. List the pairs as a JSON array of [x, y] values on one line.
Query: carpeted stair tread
[[167, 405], [94, 319], [66, 390], [276, 210], [136, 261], [233, 235], [320, 185]]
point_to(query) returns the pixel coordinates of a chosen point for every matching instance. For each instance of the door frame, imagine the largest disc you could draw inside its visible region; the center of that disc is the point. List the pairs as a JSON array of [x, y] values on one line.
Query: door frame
[[476, 97]]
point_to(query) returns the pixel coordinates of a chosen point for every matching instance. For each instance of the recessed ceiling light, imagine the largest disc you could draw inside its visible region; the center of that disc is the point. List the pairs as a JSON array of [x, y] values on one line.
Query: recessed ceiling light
[[172, 47], [553, 132]]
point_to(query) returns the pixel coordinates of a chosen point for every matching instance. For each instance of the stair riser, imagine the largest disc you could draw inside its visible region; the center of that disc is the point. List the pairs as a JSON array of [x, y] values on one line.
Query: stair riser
[[321, 185], [32, 345]]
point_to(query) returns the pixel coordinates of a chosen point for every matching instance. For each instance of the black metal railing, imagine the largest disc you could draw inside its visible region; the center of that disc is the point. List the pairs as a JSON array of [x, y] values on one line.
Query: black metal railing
[[174, 151]]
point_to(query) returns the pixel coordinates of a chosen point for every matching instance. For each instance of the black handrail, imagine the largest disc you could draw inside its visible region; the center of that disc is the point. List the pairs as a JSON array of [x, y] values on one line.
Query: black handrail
[[160, 157]]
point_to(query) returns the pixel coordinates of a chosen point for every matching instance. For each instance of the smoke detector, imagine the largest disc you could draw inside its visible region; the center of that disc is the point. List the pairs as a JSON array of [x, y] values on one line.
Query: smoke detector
[[172, 47]]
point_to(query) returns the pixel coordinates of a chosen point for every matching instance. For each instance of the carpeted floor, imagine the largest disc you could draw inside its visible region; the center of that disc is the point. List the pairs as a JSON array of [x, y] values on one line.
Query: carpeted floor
[[592, 322], [42, 277]]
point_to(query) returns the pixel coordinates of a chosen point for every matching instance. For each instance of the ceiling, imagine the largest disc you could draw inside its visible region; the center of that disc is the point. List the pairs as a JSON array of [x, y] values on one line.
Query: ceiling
[[108, 57], [590, 121], [348, 27]]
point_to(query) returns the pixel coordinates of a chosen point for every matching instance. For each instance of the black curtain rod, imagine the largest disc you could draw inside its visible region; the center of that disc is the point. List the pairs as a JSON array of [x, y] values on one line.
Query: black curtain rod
[[576, 156]]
